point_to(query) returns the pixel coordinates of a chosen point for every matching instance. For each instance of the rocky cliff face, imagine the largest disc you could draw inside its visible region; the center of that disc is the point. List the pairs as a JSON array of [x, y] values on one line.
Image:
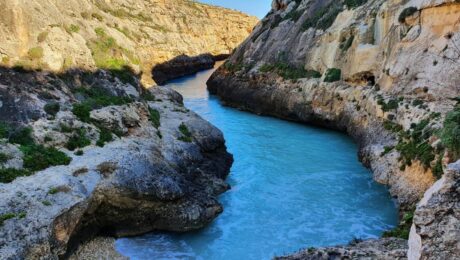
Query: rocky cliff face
[[91, 34], [385, 72], [85, 154]]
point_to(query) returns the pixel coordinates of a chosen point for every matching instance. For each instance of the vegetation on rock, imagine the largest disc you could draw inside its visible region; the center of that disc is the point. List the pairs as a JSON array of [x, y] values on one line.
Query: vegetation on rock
[[287, 71], [186, 134], [333, 75]]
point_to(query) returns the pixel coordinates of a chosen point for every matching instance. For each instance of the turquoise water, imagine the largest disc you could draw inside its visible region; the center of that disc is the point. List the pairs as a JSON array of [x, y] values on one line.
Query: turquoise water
[[293, 187]]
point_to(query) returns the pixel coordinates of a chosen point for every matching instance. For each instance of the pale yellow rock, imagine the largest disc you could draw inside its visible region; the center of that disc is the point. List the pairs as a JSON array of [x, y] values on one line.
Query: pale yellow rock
[[149, 31]]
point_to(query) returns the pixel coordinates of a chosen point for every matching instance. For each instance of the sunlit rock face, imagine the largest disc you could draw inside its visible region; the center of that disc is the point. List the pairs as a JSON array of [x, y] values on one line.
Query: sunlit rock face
[[96, 33], [376, 69]]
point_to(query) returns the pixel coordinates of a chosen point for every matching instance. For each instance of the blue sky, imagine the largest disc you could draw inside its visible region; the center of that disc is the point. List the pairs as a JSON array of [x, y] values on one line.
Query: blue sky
[[258, 8]]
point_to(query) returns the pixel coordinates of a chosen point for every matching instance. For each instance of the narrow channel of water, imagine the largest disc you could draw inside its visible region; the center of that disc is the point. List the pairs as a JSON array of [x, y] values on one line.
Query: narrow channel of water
[[293, 187]]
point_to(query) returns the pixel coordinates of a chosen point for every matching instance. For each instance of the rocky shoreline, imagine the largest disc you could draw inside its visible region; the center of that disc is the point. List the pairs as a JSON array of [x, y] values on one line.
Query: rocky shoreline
[[184, 65], [374, 70], [135, 161]]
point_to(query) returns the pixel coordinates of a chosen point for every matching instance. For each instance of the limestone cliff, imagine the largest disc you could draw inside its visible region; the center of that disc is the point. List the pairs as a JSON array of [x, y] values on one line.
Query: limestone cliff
[[386, 72], [113, 33]]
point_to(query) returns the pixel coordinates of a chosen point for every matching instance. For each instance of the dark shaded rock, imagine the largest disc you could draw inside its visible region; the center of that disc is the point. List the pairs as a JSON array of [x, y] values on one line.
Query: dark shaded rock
[[182, 65]]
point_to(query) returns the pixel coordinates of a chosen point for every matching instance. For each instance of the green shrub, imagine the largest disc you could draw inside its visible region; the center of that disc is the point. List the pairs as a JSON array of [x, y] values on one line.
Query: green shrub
[[414, 145], [391, 105], [53, 191], [105, 136], [22, 136], [52, 108], [78, 140], [46, 203], [287, 71], [406, 13], [107, 54], [148, 96], [186, 134], [38, 157], [437, 169], [35, 53], [4, 130], [403, 229], [82, 111], [74, 28], [333, 75], [323, 18], [8, 175], [5, 217], [450, 134], [155, 117], [79, 153], [4, 158], [351, 4]]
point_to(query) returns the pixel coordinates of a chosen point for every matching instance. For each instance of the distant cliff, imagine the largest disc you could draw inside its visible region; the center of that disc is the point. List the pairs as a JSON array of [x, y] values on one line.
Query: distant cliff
[[110, 34], [385, 72]]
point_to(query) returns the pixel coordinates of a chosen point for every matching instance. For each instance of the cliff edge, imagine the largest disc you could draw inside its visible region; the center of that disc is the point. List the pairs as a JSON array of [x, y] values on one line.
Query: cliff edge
[[91, 34], [385, 72]]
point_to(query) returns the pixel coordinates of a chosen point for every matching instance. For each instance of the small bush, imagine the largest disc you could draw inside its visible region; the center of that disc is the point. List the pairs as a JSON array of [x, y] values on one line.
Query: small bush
[[22, 136], [155, 117], [78, 140], [46, 203], [35, 53], [5, 217], [105, 136], [42, 37], [287, 71], [82, 111], [8, 175], [38, 157], [4, 158], [53, 191], [323, 18], [406, 13], [52, 108], [186, 135], [79, 153], [391, 105], [450, 134], [74, 28], [333, 75], [351, 4], [403, 229]]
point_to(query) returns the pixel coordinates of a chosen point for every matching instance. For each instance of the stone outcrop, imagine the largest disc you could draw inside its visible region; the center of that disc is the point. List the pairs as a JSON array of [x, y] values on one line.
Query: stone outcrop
[[90, 34], [388, 248], [182, 66], [385, 72], [137, 162]]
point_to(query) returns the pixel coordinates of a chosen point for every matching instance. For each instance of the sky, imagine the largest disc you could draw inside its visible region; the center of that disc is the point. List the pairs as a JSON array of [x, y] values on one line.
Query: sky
[[257, 8]]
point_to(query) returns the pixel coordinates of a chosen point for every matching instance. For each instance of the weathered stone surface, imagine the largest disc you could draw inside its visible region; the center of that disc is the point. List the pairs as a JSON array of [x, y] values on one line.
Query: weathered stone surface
[[182, 66], [436, 229], [410, 62], [383, 249], [141, 181], [148, 32]]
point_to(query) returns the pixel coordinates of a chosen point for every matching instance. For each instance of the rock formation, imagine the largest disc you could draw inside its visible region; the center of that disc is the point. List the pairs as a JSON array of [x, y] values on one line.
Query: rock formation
[[91, 34], [385, 72], [87, 153]]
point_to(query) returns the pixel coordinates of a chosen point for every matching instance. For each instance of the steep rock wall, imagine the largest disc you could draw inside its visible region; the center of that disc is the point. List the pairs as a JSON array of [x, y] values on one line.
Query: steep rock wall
[[383, 71], [112, 33]]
